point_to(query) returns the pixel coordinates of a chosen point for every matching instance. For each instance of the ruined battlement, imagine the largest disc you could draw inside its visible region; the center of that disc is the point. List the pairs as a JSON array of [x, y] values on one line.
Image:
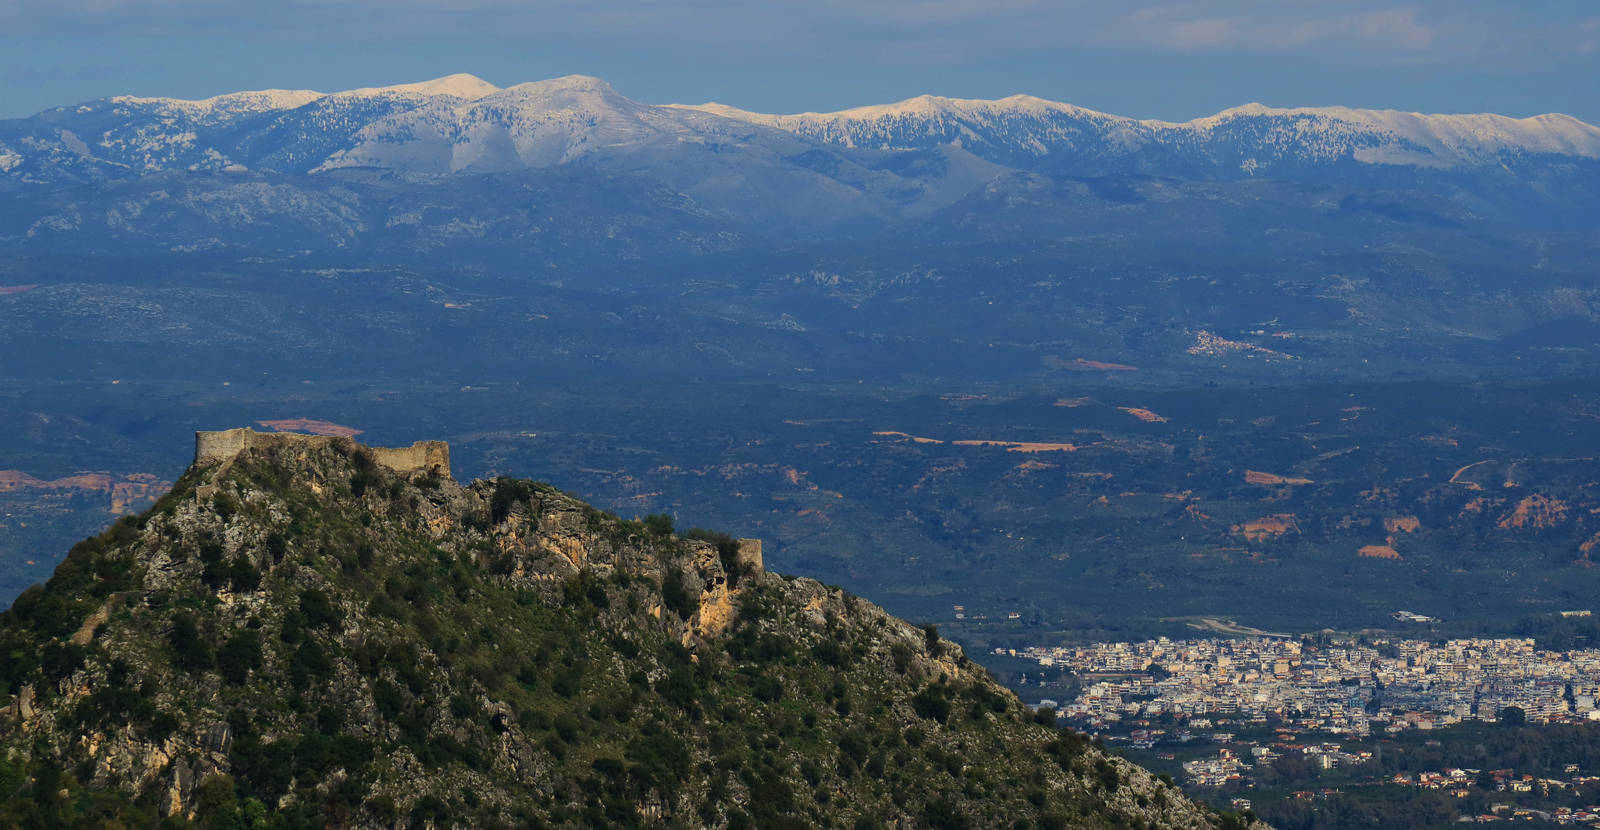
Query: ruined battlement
[[423, 456], [750, 555]]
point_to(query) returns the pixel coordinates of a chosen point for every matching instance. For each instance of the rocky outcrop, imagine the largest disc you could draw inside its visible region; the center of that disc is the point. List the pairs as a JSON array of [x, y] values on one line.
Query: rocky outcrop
[[303, 629]]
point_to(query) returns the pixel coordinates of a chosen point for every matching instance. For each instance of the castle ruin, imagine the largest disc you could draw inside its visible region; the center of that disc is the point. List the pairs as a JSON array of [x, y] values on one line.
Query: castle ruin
[[223, 445], [750, 555]]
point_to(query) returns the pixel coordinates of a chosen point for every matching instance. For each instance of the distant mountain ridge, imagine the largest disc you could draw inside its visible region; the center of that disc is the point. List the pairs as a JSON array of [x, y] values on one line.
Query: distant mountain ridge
[[569, 169], [461, 123], [1025, 124]]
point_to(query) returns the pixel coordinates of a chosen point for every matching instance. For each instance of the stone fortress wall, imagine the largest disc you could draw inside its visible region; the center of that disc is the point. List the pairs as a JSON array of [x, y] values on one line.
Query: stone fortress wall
[[423, 456], [750, 555]]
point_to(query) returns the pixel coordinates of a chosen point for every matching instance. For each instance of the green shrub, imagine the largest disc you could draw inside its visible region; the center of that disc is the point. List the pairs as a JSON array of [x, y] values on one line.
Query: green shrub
[[677, 597], [309, 661], [678, 686], [317, 609], [431, 808], [941, 814], [900, 653], [242, 575], [830, 653], [767, 688], [932, 703], [1106, 772], [60, 659], [239, 656], [388, 698], [508, 492], [216, 803], [567, 726], [658, 524], [189, 651]]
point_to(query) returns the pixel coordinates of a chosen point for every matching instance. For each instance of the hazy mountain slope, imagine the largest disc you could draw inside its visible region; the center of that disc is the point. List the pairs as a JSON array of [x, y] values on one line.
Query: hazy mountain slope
[[300, 635]]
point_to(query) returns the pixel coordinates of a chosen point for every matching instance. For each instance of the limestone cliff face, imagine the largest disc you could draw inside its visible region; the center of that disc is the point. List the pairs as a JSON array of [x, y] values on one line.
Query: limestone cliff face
[[305, 634]]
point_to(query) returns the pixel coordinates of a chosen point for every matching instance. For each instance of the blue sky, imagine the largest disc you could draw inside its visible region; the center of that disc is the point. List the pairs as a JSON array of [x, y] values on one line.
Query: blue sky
[[1172, 60]]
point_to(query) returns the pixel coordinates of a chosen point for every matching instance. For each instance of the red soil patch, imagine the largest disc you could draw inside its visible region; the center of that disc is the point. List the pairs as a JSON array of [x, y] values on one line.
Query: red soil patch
[[1402, 524], [1031, 466], [1257, 477], [1378, 552], [15, 289], [1078, 364], [1535, 511], [1586, 551], [1143, 414], [1267, 527], [1072, 403], [310, 425]]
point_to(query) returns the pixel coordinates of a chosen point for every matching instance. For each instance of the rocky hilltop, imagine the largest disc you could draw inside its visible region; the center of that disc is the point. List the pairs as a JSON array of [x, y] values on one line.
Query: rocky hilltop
[[310, 632]]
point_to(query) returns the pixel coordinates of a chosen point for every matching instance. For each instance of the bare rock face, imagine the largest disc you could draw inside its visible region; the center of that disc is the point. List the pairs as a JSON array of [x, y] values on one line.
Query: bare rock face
[[315, 629]]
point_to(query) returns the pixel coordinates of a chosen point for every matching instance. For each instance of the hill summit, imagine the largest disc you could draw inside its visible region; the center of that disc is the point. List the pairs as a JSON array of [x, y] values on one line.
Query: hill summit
[[310, 632]]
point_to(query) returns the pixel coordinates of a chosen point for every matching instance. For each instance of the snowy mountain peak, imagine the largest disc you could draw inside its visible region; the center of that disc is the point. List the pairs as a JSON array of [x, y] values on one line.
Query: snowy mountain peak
[[566, 83], [262, 100], [932, 106], [461, 85], [922, 106]]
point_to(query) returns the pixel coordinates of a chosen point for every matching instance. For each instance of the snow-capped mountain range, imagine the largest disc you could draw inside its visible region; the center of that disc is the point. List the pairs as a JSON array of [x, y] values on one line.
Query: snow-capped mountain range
[[1023, 126], [560, 221], [461, 123], [424, 165]]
